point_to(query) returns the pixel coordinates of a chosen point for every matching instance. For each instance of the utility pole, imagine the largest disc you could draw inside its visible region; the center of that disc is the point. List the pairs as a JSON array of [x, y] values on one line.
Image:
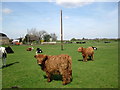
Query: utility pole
[[61, 31], [27, 36]]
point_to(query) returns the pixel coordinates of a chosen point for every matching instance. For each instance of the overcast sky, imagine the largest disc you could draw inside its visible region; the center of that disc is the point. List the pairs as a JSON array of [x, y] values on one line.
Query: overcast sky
[[80, 19]]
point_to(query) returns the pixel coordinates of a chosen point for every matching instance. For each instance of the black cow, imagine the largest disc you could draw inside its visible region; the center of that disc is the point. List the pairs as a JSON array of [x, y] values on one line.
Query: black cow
[[38, 50]]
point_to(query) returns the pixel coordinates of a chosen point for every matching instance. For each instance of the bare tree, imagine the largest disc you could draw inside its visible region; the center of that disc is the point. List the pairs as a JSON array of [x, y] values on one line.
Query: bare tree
[[53, 36], [32, 31], [41, 34]]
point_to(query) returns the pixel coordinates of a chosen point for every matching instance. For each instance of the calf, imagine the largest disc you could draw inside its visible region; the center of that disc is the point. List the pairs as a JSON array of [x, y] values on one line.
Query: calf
[[3, 55], [56, 64], [86, 52]]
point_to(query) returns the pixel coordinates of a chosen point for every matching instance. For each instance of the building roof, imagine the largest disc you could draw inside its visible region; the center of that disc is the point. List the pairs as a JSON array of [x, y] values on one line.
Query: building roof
[[3, 35]]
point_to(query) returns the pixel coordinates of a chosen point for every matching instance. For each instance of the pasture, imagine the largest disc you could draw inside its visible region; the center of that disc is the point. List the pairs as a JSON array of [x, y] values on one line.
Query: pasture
[[22, 69]]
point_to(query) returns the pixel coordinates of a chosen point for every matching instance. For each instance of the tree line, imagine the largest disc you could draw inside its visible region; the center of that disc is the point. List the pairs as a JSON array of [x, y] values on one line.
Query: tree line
[[34, 36]]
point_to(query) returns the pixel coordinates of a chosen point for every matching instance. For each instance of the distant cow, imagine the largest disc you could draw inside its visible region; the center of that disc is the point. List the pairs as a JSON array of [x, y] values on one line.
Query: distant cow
[[107, 42], [56, 64], [86, 52], [38, 50], [94, 48], [30, 49], [3, 55], [80, 42]]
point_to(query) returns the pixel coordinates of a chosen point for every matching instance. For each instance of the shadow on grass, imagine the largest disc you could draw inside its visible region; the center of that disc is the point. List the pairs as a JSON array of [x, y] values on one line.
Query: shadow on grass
[[54, 77], [80, 60], [8, 65], [83, 61]]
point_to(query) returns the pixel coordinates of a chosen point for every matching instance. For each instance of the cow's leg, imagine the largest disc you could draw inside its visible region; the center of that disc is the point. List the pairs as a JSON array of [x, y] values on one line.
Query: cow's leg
[[70, 73], [4, 61], [92, 57], [69, 77], [85, 58], [48, 77], [65, 77]]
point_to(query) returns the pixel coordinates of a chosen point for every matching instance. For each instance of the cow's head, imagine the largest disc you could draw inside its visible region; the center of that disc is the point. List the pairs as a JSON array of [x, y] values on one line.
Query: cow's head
[[80, 49], [40, 58]]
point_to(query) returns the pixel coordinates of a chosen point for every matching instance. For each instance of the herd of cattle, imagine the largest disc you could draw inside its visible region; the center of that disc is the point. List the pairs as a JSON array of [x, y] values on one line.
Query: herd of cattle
[[54, 64]]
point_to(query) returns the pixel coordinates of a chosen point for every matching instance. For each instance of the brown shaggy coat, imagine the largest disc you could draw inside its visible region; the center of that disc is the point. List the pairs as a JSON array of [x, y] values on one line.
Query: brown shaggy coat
[[56, 64], [86, 52]]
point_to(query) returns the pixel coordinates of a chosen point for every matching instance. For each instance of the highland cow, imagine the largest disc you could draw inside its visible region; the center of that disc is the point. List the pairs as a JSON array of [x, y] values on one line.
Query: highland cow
[[56, 64], [86, 52]]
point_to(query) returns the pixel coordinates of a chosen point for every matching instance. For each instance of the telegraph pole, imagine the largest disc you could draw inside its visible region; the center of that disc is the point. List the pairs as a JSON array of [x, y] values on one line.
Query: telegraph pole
[[27, 36], [61, 31]]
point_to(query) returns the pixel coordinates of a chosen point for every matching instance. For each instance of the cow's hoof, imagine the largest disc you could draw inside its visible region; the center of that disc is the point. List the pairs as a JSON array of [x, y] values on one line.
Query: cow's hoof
[[64, 83]]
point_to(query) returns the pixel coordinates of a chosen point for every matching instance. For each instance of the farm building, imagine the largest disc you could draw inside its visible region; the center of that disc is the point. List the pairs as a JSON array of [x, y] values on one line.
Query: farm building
[[4, 39]]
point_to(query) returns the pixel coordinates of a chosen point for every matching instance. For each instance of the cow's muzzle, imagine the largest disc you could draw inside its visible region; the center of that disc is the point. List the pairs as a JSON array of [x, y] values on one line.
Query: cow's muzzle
[[40, 65]]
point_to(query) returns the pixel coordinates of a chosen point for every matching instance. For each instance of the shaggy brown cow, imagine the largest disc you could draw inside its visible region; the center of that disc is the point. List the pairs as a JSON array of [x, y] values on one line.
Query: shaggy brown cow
[[56, 64], [86, 52]]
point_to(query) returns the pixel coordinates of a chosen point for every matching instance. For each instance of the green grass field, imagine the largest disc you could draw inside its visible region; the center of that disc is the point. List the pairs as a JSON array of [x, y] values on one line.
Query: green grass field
[[23, 71]]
